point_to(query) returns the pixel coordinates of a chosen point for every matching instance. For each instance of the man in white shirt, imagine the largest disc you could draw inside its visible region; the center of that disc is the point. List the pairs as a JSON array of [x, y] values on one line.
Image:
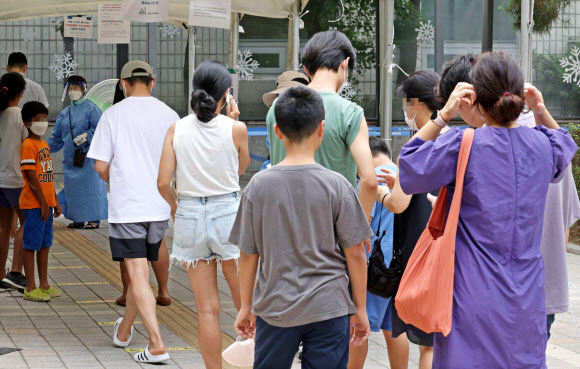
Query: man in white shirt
[[17, 62], [127, 148]]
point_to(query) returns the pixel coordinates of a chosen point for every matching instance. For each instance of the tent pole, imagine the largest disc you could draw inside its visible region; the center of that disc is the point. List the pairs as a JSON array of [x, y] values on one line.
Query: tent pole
[[525, 41], [293, 50], [234, 40], [386, 48], [191, 39]]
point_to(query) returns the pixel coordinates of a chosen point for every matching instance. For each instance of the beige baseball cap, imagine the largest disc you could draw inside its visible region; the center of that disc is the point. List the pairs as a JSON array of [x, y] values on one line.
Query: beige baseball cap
[[290, 78], [128, 70]]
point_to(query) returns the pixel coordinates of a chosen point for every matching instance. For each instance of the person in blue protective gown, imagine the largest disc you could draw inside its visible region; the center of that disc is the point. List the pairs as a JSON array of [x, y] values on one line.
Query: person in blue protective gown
[[84, 197]]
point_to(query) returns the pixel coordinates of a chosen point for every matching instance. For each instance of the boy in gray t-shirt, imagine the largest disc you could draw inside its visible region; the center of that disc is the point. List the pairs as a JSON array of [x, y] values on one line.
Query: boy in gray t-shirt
[[293, 220]]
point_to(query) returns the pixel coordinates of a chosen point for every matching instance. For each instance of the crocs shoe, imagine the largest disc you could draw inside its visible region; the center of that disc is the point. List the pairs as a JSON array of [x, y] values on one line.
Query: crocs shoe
[[36, 295], [52, 292], [116, 341], [147, 357]]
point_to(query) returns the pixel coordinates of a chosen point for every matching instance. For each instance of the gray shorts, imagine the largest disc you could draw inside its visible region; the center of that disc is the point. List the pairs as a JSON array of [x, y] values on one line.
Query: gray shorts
[[136, 240]]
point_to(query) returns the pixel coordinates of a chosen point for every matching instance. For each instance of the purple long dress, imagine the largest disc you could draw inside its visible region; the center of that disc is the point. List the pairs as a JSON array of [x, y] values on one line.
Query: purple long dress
[[499, 313]]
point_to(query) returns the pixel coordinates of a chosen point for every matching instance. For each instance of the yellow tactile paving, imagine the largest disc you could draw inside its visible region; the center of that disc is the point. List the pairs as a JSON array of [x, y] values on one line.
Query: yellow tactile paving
[[178, 318]]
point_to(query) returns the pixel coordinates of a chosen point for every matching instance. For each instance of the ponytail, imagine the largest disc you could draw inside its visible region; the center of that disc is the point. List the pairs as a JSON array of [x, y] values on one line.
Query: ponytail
[[11, 85]]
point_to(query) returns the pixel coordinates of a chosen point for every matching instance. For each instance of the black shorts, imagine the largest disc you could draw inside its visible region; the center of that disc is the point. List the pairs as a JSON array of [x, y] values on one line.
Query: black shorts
[[136, 240]]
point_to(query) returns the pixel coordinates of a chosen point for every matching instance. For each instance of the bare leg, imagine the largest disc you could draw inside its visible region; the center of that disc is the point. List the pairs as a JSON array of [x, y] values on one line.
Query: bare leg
[[357, 355], [425, 357], [6, 215], [29, 270], [161, 270], [398, 349], [42, 265], [230, 269], [142, 296], [203, 279], [131, 311], [125, 278], [17, 254]]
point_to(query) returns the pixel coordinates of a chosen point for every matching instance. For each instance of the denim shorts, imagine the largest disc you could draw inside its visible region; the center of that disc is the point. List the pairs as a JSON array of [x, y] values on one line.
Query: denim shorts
[[202, 228]]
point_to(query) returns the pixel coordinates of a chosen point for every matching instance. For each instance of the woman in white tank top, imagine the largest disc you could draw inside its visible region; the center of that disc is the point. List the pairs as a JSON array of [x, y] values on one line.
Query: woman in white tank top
[[207, 152]]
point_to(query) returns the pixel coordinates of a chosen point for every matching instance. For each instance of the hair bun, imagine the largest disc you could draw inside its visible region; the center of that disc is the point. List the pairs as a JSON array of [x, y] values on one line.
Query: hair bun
[[203, 105], [507, 108]]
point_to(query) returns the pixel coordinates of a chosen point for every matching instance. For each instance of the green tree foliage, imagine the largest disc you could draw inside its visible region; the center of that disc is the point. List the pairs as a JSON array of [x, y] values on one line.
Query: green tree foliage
[[545, 13]]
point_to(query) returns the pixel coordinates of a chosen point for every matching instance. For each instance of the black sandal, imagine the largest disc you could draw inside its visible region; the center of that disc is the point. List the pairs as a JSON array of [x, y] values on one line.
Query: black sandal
[[76, 225], [91, 225]]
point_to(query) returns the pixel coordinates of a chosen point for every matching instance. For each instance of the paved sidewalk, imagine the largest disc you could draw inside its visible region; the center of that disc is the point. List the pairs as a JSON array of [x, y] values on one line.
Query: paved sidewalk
[[75, 330]]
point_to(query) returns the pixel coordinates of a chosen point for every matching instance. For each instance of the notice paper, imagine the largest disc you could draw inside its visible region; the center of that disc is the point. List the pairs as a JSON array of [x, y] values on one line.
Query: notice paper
[[145, 10], [210, 13], [112, 28], [80, 27]]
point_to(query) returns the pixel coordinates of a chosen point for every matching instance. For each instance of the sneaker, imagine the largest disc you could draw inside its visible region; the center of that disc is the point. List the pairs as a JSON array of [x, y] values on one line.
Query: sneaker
[[52, 292], [36, 295], [15, 280]]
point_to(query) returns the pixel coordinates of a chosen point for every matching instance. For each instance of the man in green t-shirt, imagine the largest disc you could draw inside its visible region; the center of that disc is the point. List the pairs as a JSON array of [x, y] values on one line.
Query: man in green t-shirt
[[327, 58]]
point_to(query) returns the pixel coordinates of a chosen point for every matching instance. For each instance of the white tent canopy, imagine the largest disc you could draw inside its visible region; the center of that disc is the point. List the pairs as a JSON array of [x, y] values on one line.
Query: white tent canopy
[[12, 10]]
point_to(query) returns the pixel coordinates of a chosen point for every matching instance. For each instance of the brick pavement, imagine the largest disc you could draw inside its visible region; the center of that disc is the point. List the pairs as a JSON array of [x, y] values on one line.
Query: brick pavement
[[75, 330]]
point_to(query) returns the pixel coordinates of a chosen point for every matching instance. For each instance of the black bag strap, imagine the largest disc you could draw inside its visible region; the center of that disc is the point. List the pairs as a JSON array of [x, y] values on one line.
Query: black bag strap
[[380, 237], [70, 126]]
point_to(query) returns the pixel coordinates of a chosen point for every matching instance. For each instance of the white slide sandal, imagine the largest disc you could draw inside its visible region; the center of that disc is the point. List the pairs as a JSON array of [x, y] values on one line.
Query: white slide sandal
[[116, 340], [147, 357]]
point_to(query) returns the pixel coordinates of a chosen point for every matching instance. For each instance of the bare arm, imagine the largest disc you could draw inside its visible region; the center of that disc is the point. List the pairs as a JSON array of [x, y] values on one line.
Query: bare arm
[[32, 180], [166, 170], [535, 102], [361, 153], [246, 321], [356, 263], [396, 201], [102, 167], [240, 134]]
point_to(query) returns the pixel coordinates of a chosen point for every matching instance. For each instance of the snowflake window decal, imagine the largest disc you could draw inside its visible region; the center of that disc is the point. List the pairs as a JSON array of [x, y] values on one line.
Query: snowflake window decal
[[170, 31], [348, 92], [27, 35], [571, 65], [63, 65], [426, 32], [246, 65]]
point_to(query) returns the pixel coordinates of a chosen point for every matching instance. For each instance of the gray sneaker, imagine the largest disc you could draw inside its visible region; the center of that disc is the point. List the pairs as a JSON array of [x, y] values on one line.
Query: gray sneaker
[[15, 280]]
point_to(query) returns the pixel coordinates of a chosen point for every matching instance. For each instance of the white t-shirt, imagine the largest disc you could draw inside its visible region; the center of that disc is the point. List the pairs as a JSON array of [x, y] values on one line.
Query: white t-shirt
[[12, 133], [130, 138]]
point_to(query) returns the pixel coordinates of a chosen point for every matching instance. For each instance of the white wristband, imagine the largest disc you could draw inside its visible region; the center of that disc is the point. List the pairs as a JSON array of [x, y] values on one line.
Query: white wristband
[[440, 121]]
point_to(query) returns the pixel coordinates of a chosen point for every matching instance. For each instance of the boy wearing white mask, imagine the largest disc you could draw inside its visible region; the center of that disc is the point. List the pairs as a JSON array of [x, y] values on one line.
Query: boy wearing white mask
[[327, 59], [37, 201]]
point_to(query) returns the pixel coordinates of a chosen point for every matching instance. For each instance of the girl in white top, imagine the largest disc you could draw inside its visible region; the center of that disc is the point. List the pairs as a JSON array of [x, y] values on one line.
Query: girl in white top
[[12, 133], [207, 152]]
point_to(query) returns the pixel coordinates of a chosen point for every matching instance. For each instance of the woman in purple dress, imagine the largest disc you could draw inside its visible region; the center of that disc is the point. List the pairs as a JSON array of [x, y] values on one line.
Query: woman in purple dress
[[498, 295]]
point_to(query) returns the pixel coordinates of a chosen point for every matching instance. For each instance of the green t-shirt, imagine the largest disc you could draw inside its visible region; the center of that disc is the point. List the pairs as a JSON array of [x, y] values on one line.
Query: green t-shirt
[[342, 124]]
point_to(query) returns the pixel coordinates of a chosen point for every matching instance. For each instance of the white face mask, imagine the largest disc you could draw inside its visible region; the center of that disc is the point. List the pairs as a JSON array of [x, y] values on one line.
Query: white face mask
[[345, 82], [75, 95], [39, 128], [240, 353], [411, 122]]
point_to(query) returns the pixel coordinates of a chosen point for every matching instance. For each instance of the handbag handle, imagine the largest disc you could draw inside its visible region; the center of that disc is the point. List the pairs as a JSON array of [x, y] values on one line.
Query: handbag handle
[[437, 220]]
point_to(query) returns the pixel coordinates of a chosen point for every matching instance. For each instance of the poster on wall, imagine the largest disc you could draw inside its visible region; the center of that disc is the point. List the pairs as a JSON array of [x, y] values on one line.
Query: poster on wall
[[79, 27], [145, 10], [112, 28], [210, 13]]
